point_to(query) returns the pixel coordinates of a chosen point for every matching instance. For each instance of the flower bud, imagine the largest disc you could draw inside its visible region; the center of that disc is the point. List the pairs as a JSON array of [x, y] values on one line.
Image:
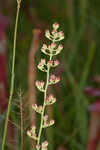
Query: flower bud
[[50, 63], [42, 64], [52, 122], [55, 26], [44, 46], [52, 78], [33, 129], [45, 144], [55, 34], [46, 124], [34, 106], [60, 47], [56, 63], [38, 146], [40, 85], [47, 34], [29, 133], [45, 117], [43, 50], [61, 35], [53, 45], [58, 50], [40, 108], [57, 79]]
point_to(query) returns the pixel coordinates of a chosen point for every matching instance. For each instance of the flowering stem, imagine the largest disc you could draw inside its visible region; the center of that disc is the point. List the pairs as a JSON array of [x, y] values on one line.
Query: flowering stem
[[43, 111], [12, 77], [44, 66]]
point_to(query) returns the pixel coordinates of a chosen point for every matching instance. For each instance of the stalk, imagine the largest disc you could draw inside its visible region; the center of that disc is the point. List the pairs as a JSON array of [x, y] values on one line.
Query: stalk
[[45, 94], [12, 75]]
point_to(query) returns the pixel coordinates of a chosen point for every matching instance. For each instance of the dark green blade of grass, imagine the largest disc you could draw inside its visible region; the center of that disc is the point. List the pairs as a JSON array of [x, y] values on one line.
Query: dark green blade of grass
[[81, 103]]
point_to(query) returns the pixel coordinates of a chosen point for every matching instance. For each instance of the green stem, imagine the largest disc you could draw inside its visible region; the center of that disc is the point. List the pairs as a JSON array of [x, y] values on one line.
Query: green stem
[[12, 80], [45, 94]]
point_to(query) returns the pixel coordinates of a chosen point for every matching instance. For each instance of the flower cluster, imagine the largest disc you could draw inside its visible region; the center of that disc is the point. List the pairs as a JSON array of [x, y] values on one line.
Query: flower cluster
[[53, 79], [46, 122], [32, 133], [42, 65], [58, 36], [38, 109], [40, 85], [51, 50], [52, 63], [44, 145], [50, 100]]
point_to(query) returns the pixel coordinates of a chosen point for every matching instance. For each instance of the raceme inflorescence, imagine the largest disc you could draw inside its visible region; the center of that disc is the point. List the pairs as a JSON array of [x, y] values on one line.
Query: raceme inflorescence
[[45, 65]]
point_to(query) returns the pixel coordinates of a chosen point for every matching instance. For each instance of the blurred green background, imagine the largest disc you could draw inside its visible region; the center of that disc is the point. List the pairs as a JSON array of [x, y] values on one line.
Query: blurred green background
[[80, 61]]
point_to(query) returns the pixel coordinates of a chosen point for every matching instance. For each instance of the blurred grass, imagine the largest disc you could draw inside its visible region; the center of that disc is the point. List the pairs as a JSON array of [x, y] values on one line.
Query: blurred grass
[[79, 20]]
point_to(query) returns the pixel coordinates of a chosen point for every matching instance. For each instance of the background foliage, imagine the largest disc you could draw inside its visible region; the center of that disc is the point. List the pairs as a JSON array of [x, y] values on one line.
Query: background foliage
[[79, 19]]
